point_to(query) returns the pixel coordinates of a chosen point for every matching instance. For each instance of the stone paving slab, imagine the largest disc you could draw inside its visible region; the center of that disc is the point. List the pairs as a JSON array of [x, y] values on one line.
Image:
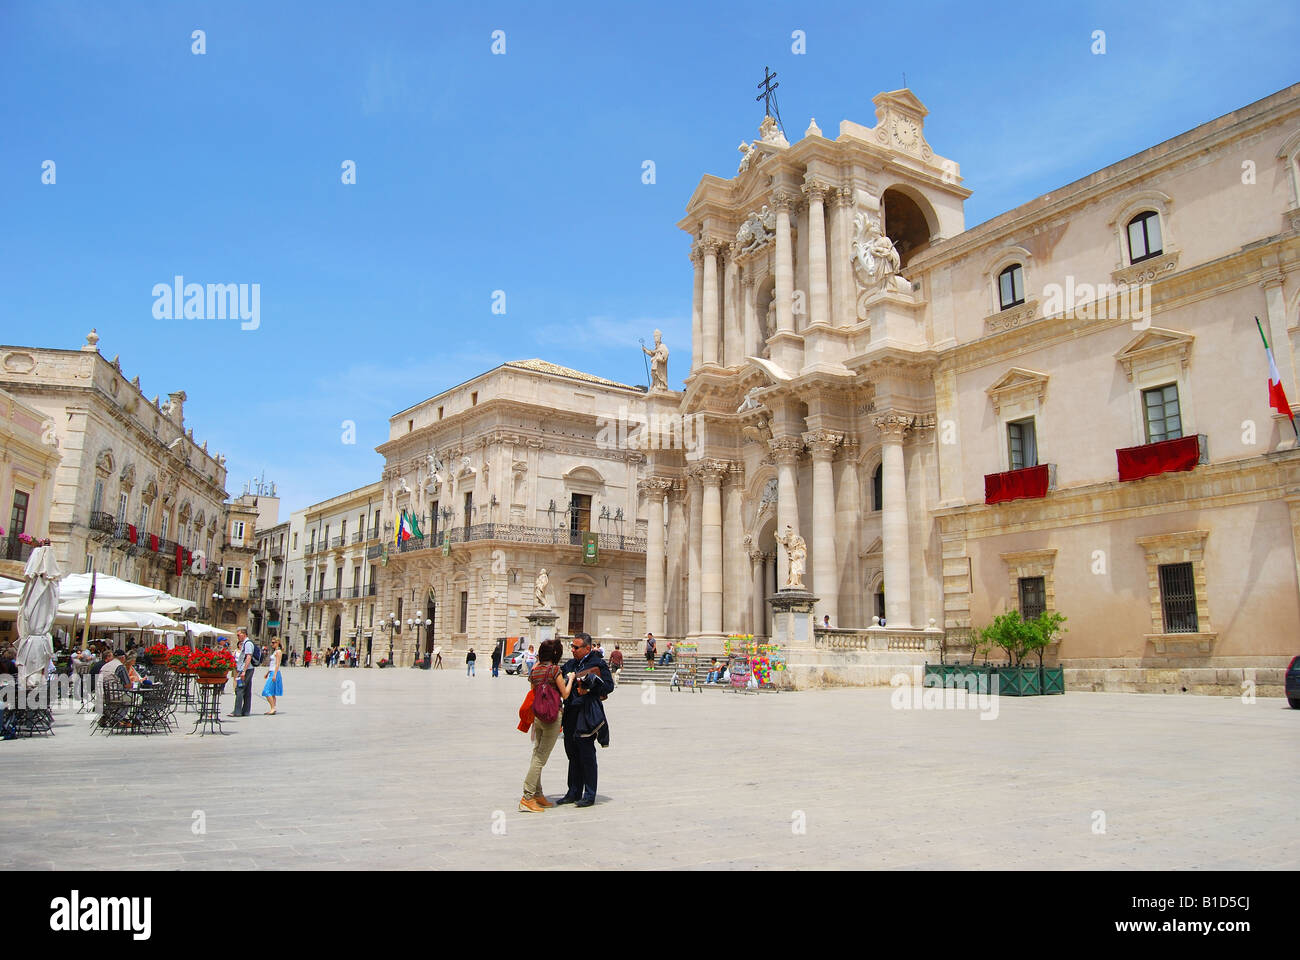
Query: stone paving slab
[[399, 769]]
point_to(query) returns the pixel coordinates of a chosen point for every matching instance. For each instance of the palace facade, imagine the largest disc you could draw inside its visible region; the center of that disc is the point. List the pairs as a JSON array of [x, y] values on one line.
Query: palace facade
[[1064, 408], [518, 469]]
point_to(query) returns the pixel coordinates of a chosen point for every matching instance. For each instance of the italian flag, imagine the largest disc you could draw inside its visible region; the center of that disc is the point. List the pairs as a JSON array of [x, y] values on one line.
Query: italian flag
[[403, 531], [1276, 395]]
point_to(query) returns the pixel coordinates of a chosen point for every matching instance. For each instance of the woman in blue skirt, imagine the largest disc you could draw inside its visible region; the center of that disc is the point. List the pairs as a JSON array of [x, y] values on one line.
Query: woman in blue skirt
[[274, 686]]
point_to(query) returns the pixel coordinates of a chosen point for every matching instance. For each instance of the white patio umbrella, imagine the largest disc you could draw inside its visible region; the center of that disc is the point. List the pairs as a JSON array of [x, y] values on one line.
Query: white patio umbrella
[[37, 609], [205, 629], [133, 620], [111, 593]]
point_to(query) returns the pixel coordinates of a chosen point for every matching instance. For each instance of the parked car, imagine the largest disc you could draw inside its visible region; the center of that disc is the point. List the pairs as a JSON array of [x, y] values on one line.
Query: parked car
[[1293, 683], [513, 662]]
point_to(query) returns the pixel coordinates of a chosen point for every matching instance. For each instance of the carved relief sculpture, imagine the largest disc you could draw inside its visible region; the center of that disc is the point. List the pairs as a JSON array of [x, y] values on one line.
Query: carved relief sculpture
[[539, 589], [875, 261]]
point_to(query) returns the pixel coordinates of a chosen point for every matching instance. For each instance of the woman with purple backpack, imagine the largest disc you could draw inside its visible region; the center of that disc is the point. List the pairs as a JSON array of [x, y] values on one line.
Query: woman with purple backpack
[[549, 688]]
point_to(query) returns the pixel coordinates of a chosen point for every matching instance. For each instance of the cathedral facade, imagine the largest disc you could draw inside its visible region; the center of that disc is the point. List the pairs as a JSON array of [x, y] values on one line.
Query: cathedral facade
[[1064, 408]]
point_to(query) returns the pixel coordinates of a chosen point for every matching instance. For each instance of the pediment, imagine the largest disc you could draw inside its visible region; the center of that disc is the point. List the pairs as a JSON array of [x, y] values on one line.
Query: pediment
[[1018, 383], [1155, 346], [903, 101]]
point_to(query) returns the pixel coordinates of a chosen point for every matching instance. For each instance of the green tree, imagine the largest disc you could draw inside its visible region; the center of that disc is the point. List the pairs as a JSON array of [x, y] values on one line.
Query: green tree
[[1010, 633], [1042, 630]]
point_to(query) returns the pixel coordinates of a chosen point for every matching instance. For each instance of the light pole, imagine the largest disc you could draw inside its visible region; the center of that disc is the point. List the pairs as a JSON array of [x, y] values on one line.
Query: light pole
[[418, 625], [391, 624]]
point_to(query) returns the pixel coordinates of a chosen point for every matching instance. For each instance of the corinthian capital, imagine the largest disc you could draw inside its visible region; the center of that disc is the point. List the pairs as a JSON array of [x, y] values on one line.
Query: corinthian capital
[[822, 443], [784, 199], [655, 486], [893, 426], [709, 471], [712, 246], [843, 197], [816, 189], [786, 449]]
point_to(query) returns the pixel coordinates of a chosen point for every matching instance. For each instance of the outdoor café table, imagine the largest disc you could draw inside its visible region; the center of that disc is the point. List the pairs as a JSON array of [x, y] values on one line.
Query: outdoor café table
[[210, 691]]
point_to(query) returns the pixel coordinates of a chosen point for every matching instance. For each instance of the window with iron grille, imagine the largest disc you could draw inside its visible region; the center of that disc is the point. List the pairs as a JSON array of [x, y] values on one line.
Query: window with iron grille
[[1178, 598], [1033, 597], [1160, 408], [464, 611]]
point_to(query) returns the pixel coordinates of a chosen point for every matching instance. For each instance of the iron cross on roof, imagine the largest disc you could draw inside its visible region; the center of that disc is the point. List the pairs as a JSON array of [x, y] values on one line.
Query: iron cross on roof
[[768, 96]]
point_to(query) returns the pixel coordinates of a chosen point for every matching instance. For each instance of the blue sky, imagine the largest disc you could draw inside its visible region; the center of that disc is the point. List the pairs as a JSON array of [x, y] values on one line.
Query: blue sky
[[478, 172]]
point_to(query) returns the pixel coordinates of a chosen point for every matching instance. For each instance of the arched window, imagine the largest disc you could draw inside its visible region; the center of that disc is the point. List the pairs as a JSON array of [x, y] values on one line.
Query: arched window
[[1011, 287], [1144, 241], [878, 488]]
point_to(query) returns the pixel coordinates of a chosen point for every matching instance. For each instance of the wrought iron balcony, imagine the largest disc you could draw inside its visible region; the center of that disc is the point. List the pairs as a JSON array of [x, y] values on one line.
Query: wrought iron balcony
[[15, 549], [518, 533], [338, 542]]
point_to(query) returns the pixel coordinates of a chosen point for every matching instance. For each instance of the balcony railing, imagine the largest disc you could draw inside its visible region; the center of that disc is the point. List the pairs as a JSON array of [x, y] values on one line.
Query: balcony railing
[[15, 549], [1165, 456], [518, 533], [338, 542], [358, 537]]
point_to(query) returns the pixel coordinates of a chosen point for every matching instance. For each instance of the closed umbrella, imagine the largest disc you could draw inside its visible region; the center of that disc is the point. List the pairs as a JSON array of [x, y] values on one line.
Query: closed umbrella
[[37, 608]]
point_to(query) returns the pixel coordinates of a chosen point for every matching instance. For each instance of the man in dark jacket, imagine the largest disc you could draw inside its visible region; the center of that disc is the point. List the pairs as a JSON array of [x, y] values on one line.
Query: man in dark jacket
[[583, 720]]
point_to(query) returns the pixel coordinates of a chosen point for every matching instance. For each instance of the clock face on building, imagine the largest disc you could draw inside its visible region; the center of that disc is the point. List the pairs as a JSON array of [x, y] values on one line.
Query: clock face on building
[[906, 132]]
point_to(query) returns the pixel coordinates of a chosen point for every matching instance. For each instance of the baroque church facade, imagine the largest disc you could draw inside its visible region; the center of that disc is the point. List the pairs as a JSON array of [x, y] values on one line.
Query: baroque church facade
[[1064, 408]]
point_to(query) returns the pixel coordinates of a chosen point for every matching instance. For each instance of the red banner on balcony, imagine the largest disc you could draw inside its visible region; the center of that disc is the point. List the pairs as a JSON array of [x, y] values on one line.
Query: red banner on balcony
[[1166, 456], [131, 534], [180, 559], [1028, 484], [153, 543]]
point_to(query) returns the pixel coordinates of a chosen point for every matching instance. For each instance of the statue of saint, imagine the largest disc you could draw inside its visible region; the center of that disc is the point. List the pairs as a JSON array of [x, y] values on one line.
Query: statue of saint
[[658, 363], [539, 589], [797, 551]]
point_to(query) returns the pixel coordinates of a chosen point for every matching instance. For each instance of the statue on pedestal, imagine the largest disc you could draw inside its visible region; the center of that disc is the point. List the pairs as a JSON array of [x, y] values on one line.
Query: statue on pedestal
[[797, 551], [658, 363], [539, 589]]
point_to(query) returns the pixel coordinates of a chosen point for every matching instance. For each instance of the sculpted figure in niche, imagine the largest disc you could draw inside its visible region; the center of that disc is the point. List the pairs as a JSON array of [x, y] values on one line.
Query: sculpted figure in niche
[[658, 363], [539, 589]]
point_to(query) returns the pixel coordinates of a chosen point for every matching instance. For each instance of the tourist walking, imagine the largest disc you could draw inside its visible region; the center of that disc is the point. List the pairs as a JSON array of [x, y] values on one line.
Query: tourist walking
[[530, 659], [274, 686], [244, 666], [437, 658], [584, 719], [649, 651], [549, 687], [496, 658], [616, 662], [469, 662]]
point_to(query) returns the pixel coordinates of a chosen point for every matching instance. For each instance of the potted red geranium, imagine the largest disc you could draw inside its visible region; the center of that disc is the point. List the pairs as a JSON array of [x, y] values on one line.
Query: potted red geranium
[[179, 660], [211, 664]]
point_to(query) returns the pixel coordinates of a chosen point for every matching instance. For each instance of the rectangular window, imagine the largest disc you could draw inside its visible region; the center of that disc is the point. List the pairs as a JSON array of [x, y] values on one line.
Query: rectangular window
[[1022, 442], [433, 522], [1033, 597], [372, 615], [162, 533], [234, 576], [121, 508], [344, 531], [1178, 598], [1011, 287], [236, 532], [398, 628], [90, 563], [18, 516], [469, 508], [97, 500], [577, 612], [464, 611], [1160, 409], [580, 517]]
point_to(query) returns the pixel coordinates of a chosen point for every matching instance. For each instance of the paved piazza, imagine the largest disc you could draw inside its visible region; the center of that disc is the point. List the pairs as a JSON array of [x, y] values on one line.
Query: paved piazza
[[413, 774]]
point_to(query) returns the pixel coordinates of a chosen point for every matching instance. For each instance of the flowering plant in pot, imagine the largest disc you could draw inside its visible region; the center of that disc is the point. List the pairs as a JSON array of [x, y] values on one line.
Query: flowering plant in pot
[[211, 662], [179, 660]]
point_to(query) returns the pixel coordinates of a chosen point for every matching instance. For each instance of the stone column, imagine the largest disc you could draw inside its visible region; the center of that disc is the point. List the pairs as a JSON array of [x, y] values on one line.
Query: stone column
[[894, 527], [697, 308], [757, 601], [825, 579], [736, 585], [844, 290], [752, 335], [693, 568], [729, 351], [710, 473], [711, 321], [784, 203], [819, 293], [786, 452], [655, 489], [848, 522], [676, 625]]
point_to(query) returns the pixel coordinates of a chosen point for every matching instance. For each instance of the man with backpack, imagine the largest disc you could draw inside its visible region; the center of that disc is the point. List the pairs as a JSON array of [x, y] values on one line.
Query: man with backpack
[[246, 661]]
